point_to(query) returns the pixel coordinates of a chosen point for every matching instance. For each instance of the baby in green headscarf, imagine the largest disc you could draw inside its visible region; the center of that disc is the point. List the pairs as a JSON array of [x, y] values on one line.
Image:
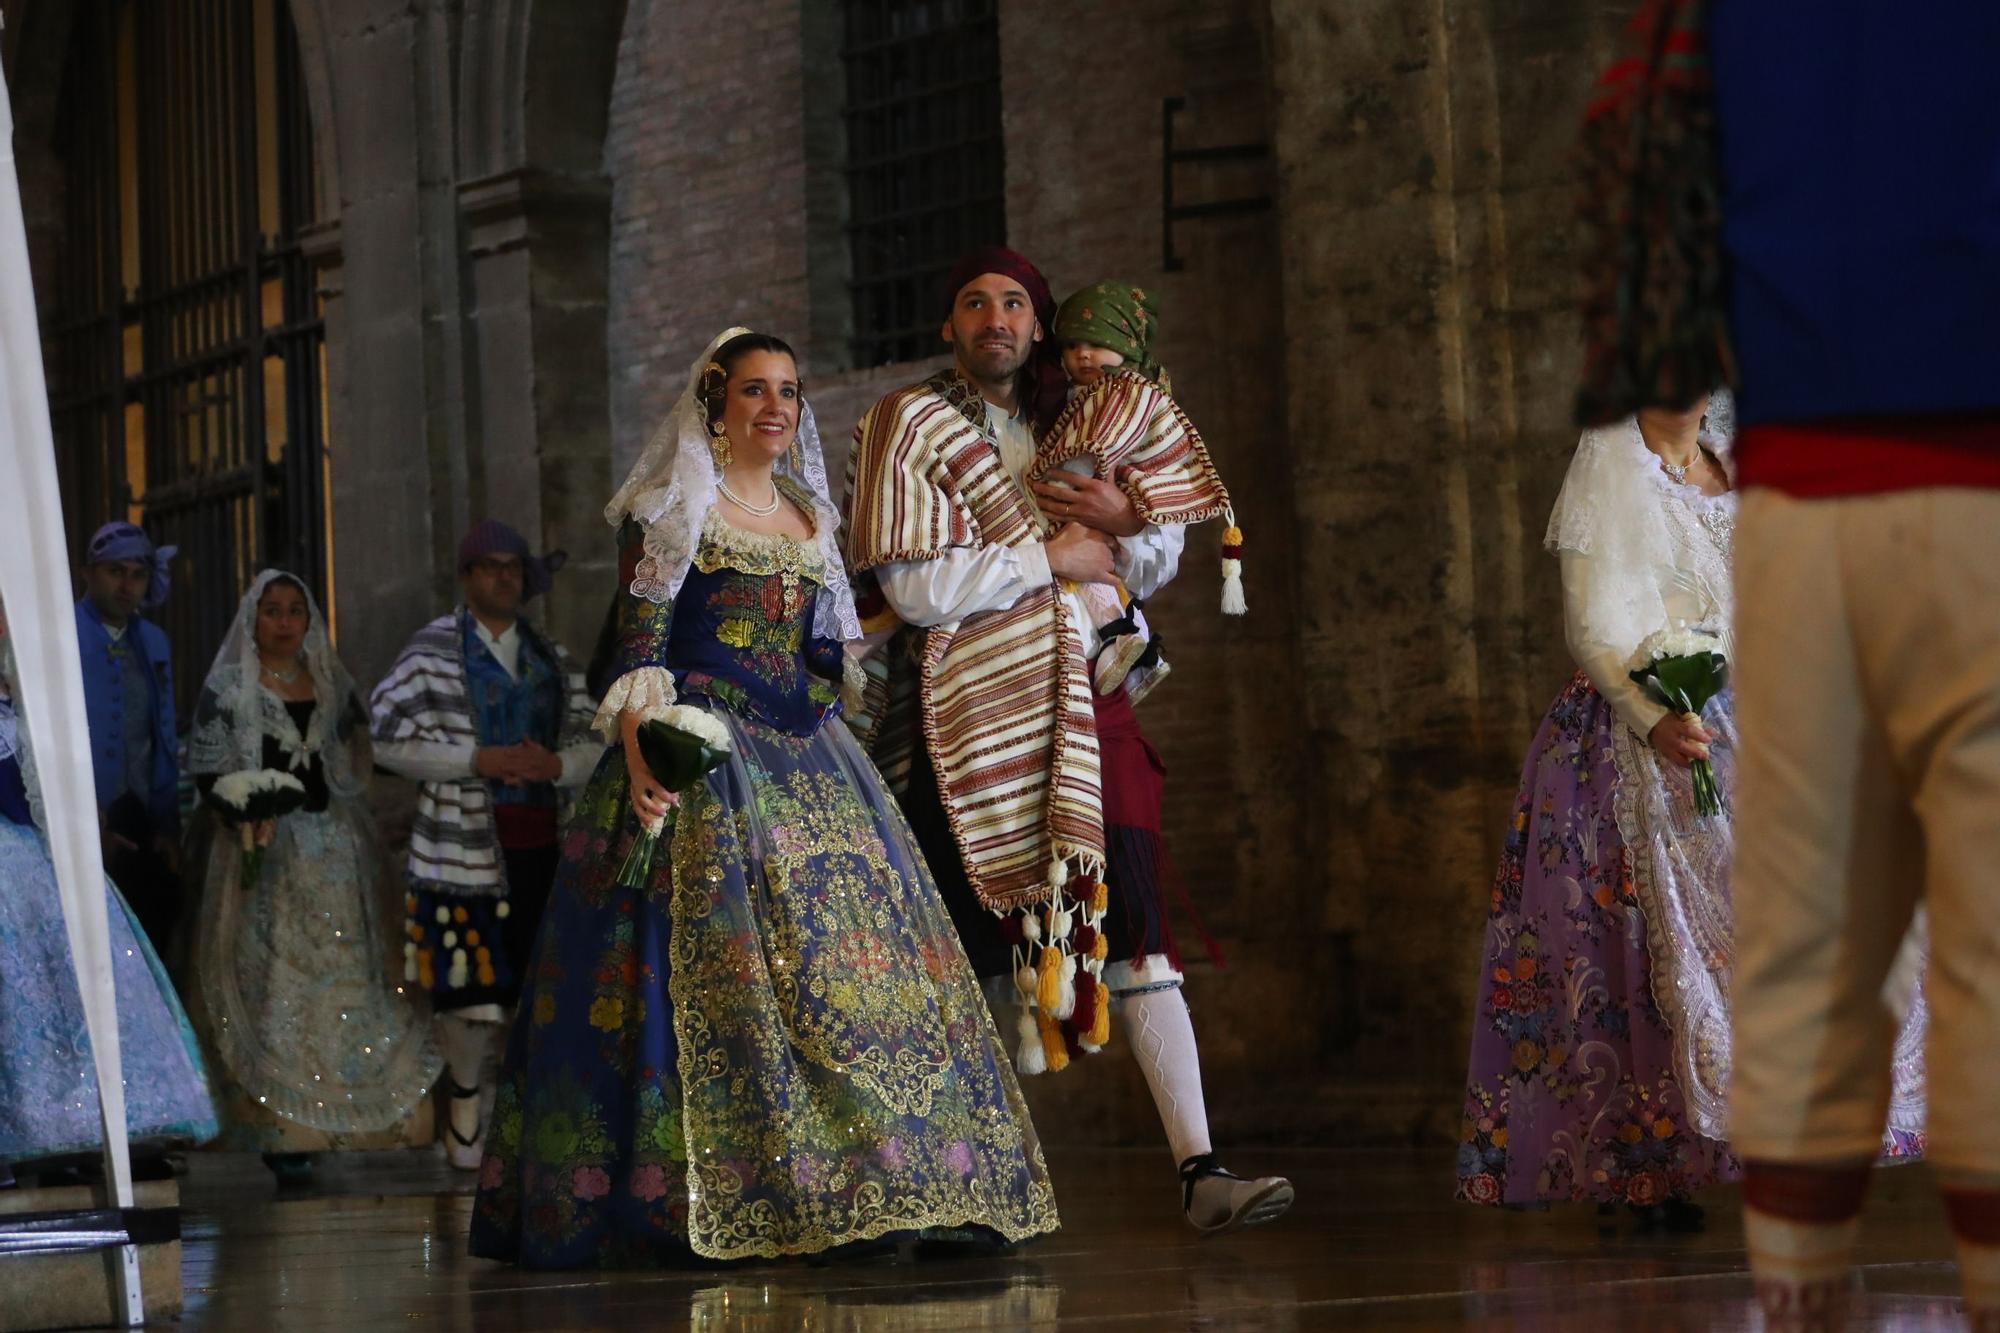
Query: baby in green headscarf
[[1109, 326], [1104, 328]]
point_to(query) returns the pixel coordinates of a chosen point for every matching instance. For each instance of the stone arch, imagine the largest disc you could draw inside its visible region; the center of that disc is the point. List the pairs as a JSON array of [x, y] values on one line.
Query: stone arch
[[536, 86]]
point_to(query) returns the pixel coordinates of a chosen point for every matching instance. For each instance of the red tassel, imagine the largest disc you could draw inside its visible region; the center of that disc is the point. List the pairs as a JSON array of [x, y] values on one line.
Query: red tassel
[[1085, 1015], [1010, 929], [1086, 937]]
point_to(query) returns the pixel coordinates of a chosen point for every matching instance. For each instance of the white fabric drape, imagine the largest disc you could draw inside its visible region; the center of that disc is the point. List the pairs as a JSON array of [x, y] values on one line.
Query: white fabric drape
[[35, 581]]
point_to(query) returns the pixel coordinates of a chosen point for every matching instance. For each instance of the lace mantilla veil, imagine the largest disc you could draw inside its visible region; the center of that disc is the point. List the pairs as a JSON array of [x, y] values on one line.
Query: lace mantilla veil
[[672, 487], [236, 712], [1609, 510]]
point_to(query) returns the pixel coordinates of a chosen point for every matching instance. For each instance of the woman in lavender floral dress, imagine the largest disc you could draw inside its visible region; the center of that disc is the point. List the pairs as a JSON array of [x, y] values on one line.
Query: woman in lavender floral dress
[[1600, 1048]]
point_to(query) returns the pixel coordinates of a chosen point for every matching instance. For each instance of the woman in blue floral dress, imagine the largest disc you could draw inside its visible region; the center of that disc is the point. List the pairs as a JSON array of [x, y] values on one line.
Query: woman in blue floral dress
[[775, 1046]]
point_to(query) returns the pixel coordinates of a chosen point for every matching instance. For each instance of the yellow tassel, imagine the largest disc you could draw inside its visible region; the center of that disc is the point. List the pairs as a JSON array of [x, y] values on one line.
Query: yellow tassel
[[1100, 899], [1100, 1021], [1054, 1049], [1232, 537], [1048, 988], [1100, 948]]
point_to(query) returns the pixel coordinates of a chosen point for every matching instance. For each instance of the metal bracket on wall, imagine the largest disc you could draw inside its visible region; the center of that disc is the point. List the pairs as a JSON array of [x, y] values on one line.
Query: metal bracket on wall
[[1171, 157]]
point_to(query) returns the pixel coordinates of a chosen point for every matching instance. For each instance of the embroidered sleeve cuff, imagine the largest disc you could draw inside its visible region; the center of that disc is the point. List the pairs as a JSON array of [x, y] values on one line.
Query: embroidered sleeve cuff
[[647, 690]]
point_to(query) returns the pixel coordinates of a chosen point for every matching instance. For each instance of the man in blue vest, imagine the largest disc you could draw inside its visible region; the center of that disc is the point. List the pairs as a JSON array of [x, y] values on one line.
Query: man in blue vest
[[490, 716], [128, 690]]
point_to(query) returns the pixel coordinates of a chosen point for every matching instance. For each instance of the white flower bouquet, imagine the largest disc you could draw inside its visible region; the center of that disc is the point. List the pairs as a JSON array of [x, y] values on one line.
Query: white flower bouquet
[[1683, 668], [252, 798], [681, 745]]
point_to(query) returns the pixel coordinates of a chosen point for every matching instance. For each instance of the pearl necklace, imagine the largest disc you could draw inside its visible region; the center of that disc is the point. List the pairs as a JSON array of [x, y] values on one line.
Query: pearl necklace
[[281, 677], [764, 511]]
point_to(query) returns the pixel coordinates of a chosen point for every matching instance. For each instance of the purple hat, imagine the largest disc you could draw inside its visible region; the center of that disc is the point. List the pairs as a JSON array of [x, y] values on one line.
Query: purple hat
[[492, 537], [128, 541]]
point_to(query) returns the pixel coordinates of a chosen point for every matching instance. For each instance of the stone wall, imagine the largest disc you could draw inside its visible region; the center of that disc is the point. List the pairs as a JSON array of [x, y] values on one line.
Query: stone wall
[[1427, 201]]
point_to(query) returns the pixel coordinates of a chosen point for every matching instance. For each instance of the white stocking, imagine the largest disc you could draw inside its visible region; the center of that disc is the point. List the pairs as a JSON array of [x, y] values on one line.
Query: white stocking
[[464, 1044], [1162, 1038]]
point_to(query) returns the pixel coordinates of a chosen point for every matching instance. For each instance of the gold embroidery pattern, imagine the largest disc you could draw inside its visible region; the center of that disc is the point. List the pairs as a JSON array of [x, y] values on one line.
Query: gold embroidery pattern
[[861, 985], [815, 1021], [725, 547]]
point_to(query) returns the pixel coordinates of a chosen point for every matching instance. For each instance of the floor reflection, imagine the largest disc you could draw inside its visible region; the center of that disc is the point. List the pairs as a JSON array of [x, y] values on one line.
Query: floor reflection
[[1009, 1301], [1376, 1243]]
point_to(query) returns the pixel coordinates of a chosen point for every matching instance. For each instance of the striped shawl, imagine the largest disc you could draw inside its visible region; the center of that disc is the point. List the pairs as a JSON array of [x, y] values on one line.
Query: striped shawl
[[1140, 439], [454, 848], [1002, 697]]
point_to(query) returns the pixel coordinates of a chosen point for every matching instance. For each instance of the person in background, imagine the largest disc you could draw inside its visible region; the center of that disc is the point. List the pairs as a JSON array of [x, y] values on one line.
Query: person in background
[[491, 717], [128, 687]]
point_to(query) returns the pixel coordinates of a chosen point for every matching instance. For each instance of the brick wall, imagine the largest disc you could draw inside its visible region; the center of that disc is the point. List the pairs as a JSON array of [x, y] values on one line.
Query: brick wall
[[707, 163]]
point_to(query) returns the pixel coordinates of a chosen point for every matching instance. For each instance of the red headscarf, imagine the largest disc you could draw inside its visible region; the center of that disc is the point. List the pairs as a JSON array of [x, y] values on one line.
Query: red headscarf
[[1044, 388]]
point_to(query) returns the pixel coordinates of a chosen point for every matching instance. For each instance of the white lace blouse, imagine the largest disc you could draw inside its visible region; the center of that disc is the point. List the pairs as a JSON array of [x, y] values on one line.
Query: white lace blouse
[[1641, 553]]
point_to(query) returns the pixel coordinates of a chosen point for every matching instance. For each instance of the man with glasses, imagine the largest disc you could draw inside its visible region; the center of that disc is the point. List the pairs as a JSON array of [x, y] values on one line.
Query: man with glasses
[[491, 718]]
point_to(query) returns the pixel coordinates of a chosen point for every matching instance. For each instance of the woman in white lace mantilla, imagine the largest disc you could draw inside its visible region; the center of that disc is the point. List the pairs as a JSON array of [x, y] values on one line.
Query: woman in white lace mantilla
[[315, 1040], [768, 1041], [1601, 1049]]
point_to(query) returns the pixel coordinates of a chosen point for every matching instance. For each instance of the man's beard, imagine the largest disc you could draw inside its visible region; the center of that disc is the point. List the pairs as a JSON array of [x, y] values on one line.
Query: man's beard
[[991, 366]]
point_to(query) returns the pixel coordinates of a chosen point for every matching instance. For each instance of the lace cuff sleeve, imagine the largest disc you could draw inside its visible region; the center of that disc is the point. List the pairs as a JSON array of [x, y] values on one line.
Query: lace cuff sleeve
[[646, 690], [853, 684], [1604, 664]]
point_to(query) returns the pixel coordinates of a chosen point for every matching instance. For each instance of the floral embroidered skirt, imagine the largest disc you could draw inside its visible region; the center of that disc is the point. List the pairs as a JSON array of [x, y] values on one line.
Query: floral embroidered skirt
[[776, 1047], [48, 1082], [1573, 1092], [1601, 1043]]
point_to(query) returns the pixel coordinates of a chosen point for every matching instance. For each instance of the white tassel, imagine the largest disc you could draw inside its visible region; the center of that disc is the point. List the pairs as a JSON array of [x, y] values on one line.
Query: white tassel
[[1024, 980], [1059, 927], [457, 976], [1232, 589], [1031, 927], [1030, 1059], [1066, 1006], [409, 960]]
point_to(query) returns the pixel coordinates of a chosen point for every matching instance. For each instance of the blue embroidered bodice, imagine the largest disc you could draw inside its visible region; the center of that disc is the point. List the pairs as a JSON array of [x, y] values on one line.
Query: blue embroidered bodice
[[739, 633]]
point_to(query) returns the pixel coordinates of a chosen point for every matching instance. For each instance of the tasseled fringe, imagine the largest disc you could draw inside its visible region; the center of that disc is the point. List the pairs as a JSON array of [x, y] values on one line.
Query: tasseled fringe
[[1232, 570], [1048, 985], [1054, 1049], [1028, 1059], [1059, 952], [1092, 1022]]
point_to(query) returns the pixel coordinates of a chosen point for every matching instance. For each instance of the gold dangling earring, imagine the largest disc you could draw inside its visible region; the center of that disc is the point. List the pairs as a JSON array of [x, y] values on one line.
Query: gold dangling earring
[[719, 446], [798, 456]]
